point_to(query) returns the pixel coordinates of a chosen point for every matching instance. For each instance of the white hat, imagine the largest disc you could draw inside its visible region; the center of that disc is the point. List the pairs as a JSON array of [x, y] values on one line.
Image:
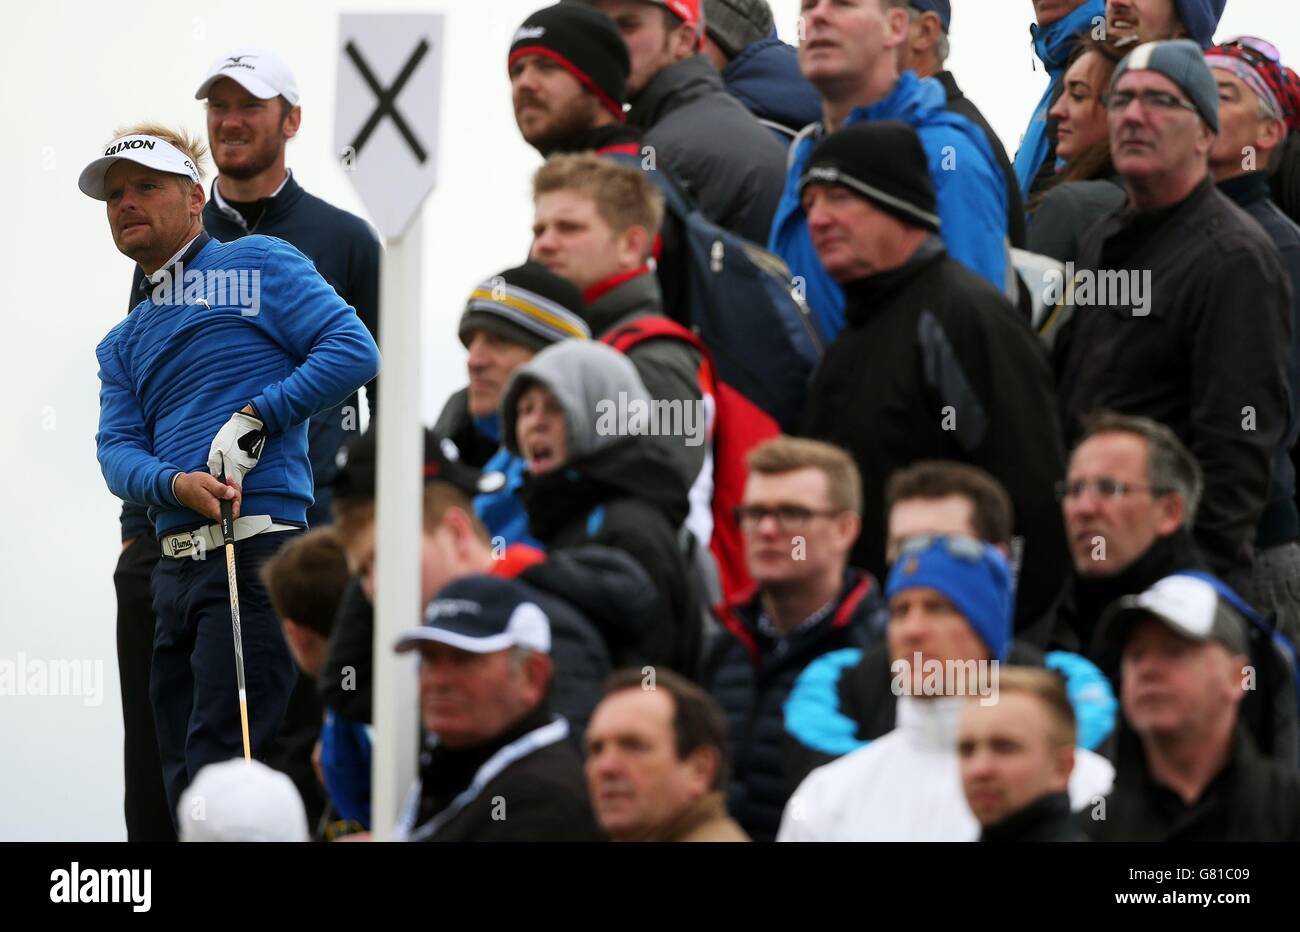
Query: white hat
[[239, 800], [1188, 604], [262, 73], [147, 150]]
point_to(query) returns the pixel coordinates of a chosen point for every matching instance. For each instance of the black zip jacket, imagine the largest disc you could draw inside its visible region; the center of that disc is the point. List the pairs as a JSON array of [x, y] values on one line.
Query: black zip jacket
[[934, 363], [1205, 354]]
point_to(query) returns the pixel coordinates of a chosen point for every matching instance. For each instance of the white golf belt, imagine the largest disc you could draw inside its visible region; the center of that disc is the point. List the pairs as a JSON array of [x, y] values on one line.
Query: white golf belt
[[183, 544]]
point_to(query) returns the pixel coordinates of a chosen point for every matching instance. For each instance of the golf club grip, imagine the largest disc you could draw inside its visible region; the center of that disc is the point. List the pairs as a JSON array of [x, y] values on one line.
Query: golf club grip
[[227, 521]]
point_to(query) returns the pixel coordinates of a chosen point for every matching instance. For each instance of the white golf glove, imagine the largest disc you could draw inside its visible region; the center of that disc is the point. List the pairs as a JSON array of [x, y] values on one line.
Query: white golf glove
[[237, 447]]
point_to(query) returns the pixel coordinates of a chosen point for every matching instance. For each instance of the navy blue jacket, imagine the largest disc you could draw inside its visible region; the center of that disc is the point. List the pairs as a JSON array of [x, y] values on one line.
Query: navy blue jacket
[[750, 672], [1280, 522], [765, 77], [345, 252]]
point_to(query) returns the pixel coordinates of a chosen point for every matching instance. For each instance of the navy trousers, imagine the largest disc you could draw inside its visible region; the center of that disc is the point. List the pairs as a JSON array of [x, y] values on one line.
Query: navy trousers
[[192, 684]]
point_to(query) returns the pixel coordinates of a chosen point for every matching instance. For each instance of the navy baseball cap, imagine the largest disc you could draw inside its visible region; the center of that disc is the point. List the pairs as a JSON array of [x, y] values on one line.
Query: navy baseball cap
[[358, 467], [942, 7], [482, 615]]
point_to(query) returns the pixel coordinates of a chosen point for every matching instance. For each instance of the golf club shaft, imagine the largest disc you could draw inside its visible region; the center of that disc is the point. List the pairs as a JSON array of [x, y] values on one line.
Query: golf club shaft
[[228, 535]]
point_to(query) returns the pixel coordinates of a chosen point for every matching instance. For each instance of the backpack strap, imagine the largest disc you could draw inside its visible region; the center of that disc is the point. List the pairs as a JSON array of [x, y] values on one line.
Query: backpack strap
[[657, 327]]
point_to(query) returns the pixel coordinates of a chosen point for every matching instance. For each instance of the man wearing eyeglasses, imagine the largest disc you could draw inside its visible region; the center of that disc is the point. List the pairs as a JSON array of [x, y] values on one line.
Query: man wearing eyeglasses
[[1129, 500], [799, 517], [1189, 319], [1255, 107]]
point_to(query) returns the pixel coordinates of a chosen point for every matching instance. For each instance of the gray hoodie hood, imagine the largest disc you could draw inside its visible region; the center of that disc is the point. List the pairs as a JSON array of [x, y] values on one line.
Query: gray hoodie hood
[[586, 377]]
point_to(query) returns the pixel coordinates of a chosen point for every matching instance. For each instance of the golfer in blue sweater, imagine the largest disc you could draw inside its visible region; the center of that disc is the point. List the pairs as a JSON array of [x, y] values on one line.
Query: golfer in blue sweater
[[217, 370]]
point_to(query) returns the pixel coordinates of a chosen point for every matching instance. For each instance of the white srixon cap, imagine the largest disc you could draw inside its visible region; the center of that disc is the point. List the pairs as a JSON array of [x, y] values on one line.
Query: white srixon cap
[[149, 151], [261, 72], [239, 800]]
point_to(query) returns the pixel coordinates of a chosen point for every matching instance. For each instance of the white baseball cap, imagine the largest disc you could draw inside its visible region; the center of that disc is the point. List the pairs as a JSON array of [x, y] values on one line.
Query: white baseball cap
[[261, 72], [239, 800], [150, 151], [1188, 604]]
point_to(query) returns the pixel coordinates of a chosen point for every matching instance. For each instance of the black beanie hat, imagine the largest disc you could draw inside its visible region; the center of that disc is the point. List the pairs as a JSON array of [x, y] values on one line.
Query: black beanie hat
[[882, 162], [529, 305], [585, 42]]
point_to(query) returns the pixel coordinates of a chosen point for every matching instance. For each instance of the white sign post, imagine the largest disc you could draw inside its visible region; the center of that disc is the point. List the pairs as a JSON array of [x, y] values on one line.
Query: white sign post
[[386, 132]]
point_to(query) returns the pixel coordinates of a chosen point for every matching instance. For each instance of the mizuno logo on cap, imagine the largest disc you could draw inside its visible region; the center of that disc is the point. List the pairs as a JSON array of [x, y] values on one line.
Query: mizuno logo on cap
[[129, 144], [237, 61], [528, 32]]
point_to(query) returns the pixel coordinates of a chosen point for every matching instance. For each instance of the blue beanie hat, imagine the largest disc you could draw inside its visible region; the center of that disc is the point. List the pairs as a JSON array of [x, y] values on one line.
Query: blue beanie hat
[[971, 574], [1200, 18]]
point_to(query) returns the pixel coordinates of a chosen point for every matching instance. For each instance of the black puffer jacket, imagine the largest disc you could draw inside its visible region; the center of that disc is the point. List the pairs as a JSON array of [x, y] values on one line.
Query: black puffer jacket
[[601, 605], [627, 496], [599, 601], [750, 671]]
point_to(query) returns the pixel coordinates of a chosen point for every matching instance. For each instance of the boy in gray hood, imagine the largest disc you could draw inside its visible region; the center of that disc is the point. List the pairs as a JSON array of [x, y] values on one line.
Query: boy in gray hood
[[582, 420]]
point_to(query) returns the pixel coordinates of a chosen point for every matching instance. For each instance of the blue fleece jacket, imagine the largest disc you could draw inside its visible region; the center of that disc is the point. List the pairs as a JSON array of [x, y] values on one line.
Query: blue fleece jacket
[[969, 186], [173, 373], [765, 77], [1053, 45]]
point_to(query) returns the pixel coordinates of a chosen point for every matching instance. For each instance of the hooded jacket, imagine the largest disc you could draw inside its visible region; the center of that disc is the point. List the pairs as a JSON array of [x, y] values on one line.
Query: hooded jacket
[[933, 363], [765, 77], [1053, 45], [972, 202], [750, 671], [730, 163], [1203, 350], [906, 786], [614, 488]]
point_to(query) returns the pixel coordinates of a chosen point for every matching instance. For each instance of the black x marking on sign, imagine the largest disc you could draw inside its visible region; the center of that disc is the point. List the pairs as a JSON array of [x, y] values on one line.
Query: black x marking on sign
[[388, 99]]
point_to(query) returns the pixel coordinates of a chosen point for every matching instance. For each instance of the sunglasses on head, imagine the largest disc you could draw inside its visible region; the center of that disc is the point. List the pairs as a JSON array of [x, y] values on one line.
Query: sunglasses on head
[[1256, 50]]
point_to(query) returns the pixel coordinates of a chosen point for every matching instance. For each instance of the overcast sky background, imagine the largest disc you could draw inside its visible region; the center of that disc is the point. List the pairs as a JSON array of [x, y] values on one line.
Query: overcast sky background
[[76, 70]]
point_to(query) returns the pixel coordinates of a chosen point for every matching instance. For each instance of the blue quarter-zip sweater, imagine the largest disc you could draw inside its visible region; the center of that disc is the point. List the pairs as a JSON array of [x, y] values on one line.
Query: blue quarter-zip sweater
[[970, 188], [173, 373], [1053, 46]]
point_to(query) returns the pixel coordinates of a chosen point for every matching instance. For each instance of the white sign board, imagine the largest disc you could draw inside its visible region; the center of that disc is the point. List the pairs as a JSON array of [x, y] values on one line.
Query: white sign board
[[386, 112]]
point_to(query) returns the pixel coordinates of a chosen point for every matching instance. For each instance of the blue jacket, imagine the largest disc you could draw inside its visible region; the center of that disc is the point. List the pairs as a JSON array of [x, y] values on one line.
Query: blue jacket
[[173, 373], [345, 251], [970, 188], [1053, 46], [502, 511], [765, 77], [345, 762]]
